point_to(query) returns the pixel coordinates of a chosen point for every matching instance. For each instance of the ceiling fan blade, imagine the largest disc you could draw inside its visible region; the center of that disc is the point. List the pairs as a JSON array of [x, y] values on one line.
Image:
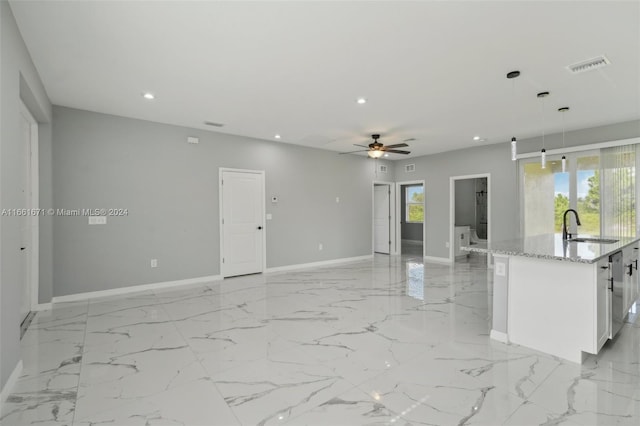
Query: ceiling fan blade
[[397, 151], [351, 152], [398, 145], [364, 146]]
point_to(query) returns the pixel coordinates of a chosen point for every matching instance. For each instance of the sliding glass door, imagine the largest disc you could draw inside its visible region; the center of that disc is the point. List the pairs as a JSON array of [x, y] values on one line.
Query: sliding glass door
[[547, 193]]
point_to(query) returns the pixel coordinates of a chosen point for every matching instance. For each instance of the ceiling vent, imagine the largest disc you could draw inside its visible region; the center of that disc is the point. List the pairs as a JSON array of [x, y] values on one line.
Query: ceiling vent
[[588, 65], [408, 168], [213, 123]]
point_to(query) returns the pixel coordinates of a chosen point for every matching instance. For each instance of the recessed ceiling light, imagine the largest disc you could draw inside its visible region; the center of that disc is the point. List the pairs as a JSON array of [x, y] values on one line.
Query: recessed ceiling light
[[476, 138], [148, 95], [361, 101], [277, 136]]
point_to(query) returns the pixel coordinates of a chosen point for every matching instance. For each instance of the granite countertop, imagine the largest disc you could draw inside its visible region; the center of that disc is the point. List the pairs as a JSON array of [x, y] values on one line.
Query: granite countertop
[[552, 247]]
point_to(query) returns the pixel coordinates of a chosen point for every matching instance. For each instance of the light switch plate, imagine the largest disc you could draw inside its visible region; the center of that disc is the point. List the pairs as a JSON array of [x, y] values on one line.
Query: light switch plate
[[269, 216], [500, 269]]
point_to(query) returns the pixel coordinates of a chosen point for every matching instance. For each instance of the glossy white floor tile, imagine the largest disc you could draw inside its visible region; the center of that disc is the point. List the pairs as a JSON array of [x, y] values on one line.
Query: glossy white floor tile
[[381, 342]]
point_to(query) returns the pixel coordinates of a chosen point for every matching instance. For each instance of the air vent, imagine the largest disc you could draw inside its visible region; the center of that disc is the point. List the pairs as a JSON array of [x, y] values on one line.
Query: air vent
[[213, 123], [588, 65], [409, 140], [408, 168], [382, 168]]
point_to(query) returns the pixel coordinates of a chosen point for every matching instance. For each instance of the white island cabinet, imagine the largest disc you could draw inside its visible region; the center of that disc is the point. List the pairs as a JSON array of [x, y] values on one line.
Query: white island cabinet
[[556, 296]]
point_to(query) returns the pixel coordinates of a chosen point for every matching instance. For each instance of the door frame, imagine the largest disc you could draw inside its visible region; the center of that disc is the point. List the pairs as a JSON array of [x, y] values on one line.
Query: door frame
[[392, 212], [221, 170], [33, 203], [452, 210], [398, 226]]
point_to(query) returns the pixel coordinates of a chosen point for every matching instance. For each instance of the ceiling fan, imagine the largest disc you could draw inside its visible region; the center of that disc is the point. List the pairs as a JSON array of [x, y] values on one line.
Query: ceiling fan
[[376, 149]]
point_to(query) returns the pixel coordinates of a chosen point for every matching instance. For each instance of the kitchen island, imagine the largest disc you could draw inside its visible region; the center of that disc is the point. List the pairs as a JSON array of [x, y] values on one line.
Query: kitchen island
[[564, 298]]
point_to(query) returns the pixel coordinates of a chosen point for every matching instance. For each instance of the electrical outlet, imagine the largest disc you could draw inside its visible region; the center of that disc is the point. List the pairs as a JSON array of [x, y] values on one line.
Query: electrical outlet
[[154, 263], [446, 244], [320, 247]]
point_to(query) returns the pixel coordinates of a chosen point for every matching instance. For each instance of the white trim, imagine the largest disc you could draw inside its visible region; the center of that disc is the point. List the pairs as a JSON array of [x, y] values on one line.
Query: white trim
[[398, 223], [435, 259], [221, 170], [42, 307], [452, 210], [499, 336], [579, 148], [393, 249], [33, 202], [134, 289], [11, 382], [317, 264]]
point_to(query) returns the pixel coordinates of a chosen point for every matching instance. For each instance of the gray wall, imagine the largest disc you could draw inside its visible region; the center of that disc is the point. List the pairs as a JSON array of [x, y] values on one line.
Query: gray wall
[[170, 188], [466, 202], [494, 159], [18, 80], [409, 231]]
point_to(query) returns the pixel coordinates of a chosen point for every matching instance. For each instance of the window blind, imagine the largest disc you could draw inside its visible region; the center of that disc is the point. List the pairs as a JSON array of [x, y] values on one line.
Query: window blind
[[618, 191]]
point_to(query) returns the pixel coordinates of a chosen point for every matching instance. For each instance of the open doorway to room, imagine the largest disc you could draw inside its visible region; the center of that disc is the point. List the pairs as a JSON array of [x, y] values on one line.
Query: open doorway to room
[[411, 214], [470, 215]]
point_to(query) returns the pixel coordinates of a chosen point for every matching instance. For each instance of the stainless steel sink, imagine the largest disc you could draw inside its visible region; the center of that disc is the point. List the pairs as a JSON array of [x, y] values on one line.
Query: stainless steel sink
[[592, 240]]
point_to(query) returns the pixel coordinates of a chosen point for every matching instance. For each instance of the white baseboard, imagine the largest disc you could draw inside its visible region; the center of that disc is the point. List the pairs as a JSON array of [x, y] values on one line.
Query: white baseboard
[[412, 242], [437, 259], [316, 264], [499, 336], [11, 381], [134, 289]]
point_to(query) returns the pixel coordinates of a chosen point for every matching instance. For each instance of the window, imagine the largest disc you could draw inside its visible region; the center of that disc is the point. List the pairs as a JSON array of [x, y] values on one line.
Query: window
[[599, 185], [414, 198], [548, 193]]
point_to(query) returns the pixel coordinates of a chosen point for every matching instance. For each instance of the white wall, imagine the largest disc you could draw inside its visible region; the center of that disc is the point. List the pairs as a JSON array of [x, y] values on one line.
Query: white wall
[[170, 188]]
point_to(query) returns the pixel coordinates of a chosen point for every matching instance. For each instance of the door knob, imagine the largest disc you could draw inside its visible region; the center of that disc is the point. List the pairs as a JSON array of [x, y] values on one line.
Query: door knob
[[22, 248], [259, 227]]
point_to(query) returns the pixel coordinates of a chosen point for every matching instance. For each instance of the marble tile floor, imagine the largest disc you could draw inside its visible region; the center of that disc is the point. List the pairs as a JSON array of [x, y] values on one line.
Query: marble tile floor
[[385, 341]]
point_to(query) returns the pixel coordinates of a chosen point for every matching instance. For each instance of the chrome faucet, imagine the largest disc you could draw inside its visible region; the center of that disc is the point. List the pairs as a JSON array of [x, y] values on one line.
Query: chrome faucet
[[565, 233]]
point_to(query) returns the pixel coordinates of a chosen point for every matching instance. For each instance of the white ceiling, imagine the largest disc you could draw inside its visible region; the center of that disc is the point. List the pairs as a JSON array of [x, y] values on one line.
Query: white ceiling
[[433, 71]]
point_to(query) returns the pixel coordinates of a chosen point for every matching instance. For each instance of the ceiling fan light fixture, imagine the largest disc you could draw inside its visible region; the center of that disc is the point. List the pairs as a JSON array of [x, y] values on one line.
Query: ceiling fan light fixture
[[375, 153]]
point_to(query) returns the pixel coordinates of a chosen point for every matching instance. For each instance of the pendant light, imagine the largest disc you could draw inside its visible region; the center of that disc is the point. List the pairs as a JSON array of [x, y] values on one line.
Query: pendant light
[[564, 158], [543, 153], [514, 147]]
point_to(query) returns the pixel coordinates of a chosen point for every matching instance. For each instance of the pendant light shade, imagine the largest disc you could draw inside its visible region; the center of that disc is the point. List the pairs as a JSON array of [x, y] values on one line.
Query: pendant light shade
[[514, 143], [564, 158], [375, 153], [543, 153]]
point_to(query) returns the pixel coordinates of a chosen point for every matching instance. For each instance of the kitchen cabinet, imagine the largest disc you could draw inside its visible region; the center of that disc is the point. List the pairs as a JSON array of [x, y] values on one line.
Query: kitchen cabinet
[[558, 297], [630, 286], [603, 302]]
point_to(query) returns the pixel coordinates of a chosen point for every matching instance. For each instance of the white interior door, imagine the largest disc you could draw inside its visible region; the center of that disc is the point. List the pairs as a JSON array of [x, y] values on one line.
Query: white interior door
[[242, 222], [25, 220], [381, 219]]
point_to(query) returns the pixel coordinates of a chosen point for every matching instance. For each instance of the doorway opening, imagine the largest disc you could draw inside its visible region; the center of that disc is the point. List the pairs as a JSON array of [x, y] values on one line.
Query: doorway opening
[[410, 210], [384, 233], [470, 214], [242, 227]]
